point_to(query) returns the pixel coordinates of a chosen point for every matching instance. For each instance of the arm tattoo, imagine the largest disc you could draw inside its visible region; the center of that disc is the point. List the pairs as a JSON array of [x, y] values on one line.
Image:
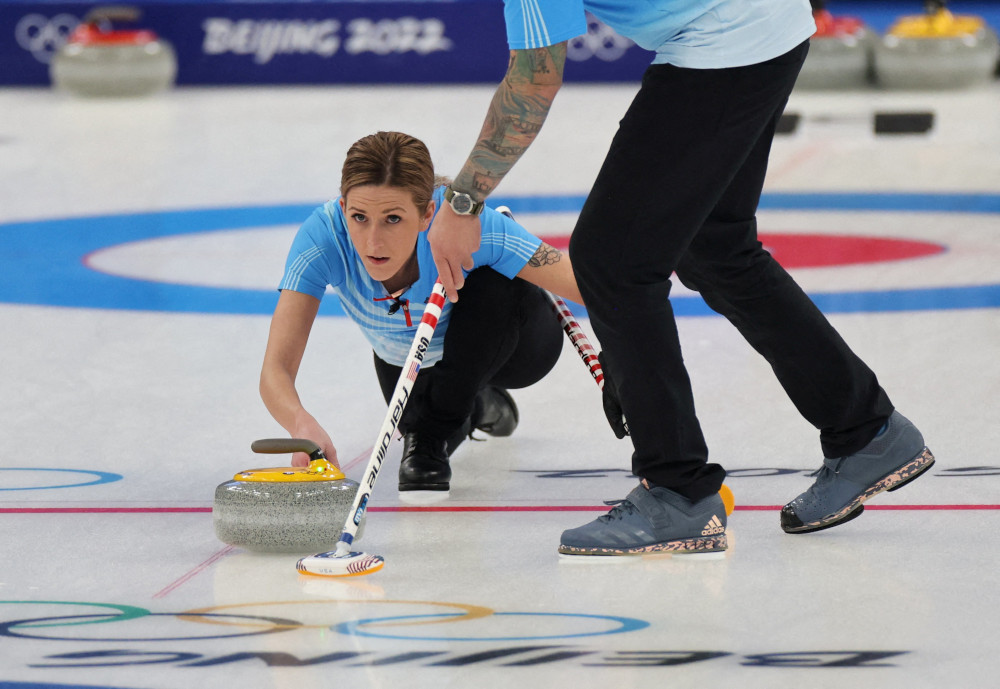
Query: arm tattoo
[[545, 256], [515, 116]]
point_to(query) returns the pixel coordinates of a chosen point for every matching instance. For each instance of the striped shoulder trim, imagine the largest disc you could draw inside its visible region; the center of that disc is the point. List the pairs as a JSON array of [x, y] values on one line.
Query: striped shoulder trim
[[293, 275], [521, 246]]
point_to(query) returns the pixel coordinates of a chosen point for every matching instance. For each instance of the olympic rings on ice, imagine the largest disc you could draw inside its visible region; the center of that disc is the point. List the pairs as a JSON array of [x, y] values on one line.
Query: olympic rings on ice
[[466, 612], [546, 625], [14, 628], [624, 624], [125, 612]]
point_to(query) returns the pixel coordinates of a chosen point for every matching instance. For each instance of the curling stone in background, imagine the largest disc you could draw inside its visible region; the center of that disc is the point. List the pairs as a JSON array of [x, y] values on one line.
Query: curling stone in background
[[840, 52], [936, 50], [99, 60], [285, 509]]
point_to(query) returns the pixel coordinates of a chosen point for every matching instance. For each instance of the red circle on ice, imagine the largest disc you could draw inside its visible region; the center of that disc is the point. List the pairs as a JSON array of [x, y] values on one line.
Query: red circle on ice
[[818, 251], [823, 251]]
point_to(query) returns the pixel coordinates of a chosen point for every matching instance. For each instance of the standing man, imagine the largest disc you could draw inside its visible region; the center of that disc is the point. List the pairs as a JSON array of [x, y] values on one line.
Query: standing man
[[678, 192]]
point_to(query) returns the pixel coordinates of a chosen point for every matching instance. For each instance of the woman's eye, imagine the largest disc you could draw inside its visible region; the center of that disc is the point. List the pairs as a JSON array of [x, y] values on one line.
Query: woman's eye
[[393, 219], [358, 217]]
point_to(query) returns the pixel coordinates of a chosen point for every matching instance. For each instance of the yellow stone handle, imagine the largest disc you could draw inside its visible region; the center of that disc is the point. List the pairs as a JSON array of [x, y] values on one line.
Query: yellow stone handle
[[284, 446], [939, 24], [319, 469]]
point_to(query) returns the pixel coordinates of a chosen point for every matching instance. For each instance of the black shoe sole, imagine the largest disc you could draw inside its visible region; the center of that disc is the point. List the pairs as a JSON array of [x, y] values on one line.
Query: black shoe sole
[[789, 528], [854, 510]]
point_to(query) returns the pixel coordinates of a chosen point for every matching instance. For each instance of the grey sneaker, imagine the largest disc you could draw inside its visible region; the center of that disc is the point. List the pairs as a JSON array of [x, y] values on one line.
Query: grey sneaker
[[894, 458], [651, 521]]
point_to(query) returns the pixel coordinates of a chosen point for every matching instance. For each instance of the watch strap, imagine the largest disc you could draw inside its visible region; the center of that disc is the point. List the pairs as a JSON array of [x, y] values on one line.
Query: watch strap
[[477, 206]]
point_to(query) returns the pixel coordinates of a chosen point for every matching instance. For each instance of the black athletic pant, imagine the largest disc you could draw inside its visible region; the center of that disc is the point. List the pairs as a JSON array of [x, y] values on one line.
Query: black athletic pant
[[502, 332], [678, 191]]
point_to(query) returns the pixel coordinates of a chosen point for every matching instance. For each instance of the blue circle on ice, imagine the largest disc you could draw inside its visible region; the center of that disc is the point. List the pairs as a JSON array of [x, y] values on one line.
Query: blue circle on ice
[[99, 477], [44, 262]]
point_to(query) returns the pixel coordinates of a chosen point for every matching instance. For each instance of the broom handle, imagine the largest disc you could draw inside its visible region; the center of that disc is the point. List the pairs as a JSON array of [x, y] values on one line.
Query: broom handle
[[579, 338], [400, 396]]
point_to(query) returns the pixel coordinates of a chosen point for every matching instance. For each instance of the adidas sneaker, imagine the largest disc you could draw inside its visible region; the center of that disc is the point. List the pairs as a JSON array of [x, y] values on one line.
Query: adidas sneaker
[[651, 520], [895, 457]]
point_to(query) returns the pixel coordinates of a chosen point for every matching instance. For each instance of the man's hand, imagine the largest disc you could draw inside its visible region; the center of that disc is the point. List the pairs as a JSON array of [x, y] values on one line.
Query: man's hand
[[453, 239], [612, 403]]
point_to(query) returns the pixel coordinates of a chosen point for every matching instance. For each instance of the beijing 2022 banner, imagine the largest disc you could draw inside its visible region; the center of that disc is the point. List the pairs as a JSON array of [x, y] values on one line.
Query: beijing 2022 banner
[[324, 42]]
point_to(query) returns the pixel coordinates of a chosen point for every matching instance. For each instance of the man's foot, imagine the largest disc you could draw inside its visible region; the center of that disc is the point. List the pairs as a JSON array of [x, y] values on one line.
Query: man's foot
[[652, 520], [895, 457]]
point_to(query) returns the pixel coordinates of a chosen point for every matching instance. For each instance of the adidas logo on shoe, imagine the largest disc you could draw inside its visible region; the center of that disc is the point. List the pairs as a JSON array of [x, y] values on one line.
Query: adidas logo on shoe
[[713, 527]]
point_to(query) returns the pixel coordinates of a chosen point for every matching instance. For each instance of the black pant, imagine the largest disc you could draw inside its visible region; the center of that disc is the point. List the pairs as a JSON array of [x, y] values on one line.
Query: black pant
[[679, 191], [502, 332]]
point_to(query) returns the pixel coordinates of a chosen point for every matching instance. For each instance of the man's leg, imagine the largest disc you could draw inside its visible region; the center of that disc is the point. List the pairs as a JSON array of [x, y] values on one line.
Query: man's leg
[[726, 263], [685, 138], [683, 141], [868, 447]]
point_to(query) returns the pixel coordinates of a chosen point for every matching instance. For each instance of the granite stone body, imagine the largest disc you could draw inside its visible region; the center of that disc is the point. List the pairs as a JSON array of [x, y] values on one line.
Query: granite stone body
[[838, 62], [114, 70], [283, 517], [942, 62]]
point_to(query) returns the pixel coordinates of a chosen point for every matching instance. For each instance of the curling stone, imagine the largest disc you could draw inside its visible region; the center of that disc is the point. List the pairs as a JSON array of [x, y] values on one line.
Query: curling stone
[[936, 50], [840, 52], [285, 509], [99, 60]]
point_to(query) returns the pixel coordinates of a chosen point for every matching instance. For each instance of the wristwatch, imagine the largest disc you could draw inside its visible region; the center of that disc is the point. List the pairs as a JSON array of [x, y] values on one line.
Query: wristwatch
[[462, 203]]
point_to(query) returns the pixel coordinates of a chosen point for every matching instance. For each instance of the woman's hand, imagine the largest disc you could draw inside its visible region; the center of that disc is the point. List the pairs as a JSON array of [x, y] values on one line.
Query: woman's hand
[[308, 428]]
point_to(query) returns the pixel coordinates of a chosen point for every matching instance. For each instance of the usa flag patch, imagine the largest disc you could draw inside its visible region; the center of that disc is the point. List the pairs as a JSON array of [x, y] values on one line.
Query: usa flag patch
[[411, 372]]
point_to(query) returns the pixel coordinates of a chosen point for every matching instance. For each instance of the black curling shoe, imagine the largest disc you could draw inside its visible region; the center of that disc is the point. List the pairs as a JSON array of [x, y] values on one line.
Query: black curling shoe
[[424, 466], [495, 412]]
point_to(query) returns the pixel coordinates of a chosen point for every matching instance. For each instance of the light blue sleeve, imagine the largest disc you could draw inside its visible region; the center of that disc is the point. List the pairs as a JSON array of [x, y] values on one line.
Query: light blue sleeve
[[313, 261], [541, 23], [506, 247]]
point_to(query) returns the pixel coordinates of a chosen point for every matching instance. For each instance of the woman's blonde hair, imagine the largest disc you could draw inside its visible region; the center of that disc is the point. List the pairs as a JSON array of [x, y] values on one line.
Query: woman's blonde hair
[[390, 159]]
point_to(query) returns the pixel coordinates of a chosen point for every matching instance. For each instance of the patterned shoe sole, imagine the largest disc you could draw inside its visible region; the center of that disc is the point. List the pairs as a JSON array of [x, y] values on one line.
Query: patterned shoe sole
[[710, 544], [893, 481]]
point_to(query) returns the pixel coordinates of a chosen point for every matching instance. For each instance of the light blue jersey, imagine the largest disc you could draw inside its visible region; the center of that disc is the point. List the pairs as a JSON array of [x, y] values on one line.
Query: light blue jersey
[[698, 34], [322, 255]]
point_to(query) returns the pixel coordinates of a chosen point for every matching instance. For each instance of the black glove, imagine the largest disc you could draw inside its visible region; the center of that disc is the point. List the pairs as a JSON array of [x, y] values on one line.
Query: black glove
[[612, 406]]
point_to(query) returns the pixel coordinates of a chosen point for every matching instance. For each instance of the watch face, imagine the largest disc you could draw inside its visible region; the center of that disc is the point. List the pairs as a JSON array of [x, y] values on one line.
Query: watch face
[[461, 203]]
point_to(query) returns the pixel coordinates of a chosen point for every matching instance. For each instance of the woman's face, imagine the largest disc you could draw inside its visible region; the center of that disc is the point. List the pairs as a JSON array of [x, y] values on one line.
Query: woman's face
[[384, 222]]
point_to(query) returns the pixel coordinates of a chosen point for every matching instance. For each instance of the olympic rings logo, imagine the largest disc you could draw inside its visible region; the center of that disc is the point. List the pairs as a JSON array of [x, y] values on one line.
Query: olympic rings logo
[[43, 37], [600, 41], [486, 623]]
